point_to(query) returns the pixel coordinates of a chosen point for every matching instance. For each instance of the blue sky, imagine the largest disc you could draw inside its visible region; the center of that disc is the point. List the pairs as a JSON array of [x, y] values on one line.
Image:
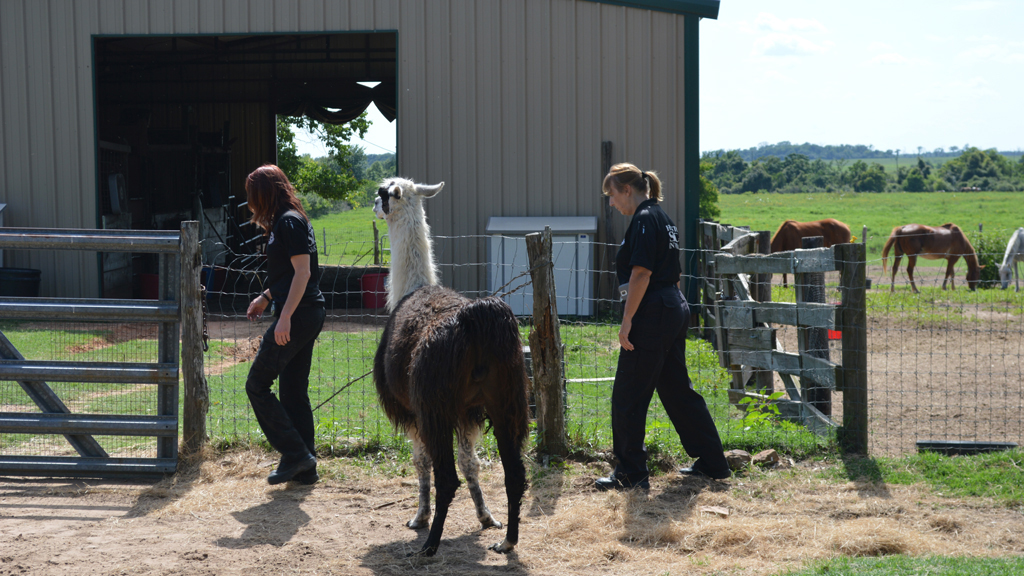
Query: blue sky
[[896, 74], [893, 74]]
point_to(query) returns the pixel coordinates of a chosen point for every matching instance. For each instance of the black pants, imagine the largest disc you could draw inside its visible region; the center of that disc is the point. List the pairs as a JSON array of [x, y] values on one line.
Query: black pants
[[288, 422], [658, 362]]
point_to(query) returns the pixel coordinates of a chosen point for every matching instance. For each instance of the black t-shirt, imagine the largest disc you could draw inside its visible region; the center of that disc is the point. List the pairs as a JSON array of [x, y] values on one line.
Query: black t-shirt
[[291, 236], [651, 241]]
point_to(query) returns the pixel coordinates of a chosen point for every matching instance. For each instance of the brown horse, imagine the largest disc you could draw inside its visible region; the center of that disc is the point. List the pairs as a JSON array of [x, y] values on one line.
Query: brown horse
[[946, 241], [791, 233]]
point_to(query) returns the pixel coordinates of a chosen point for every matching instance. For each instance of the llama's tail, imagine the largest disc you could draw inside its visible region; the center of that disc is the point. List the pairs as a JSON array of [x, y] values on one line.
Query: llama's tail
[[500, 370], [888, 244]]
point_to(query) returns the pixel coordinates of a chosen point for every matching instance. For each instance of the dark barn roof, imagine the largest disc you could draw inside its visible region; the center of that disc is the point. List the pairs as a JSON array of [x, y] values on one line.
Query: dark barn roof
[[702, 8]]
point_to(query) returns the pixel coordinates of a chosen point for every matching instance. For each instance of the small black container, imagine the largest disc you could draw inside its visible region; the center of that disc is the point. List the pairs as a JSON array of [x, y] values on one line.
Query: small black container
[[19, 282]]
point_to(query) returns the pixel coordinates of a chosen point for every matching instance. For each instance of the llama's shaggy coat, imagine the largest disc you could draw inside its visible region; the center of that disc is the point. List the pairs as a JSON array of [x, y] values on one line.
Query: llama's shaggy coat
[[444, 364]]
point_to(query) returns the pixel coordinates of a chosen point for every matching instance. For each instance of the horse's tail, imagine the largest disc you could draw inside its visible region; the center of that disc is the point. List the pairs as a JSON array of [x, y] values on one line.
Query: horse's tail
[[888, 244]]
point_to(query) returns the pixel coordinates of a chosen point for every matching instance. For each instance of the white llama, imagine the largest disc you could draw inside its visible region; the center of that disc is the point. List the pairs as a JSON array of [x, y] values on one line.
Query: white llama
[[446, 363]]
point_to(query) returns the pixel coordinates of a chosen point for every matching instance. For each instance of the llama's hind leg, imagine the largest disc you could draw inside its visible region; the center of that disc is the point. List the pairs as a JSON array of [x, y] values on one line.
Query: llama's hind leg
[[421, 460], [515, 486], [470, 466]]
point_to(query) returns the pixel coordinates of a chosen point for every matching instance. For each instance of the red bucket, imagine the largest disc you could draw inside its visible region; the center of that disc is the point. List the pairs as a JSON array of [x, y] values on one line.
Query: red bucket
[[149, 286], [375, 295]]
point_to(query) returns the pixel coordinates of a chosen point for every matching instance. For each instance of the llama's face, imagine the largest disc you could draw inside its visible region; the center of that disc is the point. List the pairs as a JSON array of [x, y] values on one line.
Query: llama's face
[[396, 193]]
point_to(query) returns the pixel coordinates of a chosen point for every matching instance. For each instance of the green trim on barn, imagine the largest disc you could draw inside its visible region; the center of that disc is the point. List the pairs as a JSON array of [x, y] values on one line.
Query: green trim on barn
[[701, 8]]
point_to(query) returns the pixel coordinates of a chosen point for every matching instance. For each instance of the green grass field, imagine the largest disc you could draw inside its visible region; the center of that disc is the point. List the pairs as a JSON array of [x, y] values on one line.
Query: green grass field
[[911, 566], [999, 212], [349, 236]]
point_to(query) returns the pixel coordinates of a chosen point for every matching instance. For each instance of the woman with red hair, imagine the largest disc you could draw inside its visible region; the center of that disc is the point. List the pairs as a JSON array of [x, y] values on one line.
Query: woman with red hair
[[286, 352]]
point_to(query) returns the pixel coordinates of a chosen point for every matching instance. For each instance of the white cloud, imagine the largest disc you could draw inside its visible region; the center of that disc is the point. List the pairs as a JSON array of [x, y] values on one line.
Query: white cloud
[[894, 58], [787, 45], [978, 5], [1010, 53], [771, 23], [875, 46]]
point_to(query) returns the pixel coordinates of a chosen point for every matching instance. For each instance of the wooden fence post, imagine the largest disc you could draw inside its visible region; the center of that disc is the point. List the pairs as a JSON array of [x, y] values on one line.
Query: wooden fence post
[[546, 348], [376, 244], [853, 318], [197, 395], [812, 288], [764, 379]]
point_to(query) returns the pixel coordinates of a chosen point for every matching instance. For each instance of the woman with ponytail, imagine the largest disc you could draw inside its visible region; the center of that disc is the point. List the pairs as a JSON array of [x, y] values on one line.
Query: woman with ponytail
[[652, 337]]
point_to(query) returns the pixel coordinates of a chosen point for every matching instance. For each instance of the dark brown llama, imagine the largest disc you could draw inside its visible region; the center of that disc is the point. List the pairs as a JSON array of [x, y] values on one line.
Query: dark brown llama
[[446, 363]]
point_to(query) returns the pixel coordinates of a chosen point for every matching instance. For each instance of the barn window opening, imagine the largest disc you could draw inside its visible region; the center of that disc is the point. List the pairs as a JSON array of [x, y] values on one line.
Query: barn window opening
[[181, 121]]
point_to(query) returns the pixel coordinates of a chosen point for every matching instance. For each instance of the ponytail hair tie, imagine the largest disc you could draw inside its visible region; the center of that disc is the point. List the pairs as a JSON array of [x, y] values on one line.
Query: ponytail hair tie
[[643, 175]]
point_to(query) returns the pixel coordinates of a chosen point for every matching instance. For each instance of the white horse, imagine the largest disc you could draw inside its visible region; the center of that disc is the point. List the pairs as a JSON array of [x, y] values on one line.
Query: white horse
[[1014, 254]]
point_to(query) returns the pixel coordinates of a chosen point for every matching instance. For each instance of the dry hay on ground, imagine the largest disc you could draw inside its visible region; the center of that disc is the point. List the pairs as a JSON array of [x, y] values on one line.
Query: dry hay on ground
[[224, 519]]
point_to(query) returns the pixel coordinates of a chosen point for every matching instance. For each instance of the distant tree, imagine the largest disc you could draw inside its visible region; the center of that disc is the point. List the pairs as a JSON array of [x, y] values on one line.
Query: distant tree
[[708, 194], [287, 152], [333, 177], [756, 179], [865, 178], [977, 168], [914, 181], [923, 167]]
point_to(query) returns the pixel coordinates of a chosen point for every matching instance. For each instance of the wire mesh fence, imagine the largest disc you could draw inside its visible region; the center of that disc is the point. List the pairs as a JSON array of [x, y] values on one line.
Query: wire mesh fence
[[345, 349], [83, 342], [945, 365], [942, 364]]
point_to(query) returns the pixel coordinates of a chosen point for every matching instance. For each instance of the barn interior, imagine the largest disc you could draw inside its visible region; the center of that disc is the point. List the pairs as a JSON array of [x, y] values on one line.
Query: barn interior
[[182, 120]]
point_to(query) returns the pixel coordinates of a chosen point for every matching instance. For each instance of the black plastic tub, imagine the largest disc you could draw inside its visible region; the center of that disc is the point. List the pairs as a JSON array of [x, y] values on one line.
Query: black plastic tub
[[19, 282]]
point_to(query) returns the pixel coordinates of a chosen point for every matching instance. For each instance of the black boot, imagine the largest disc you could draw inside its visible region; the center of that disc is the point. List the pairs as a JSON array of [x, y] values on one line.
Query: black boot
[[290, 467]]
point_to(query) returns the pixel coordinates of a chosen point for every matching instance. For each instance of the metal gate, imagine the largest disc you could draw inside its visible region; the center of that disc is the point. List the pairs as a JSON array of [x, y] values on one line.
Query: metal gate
[[33, 376]]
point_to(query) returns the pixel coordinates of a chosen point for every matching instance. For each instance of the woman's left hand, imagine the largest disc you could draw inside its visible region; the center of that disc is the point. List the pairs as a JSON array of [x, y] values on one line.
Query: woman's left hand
[[627, 324], [283, 331]]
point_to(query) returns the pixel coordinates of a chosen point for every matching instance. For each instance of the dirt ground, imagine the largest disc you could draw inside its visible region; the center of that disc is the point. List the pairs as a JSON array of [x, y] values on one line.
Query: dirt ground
[[225, 519]]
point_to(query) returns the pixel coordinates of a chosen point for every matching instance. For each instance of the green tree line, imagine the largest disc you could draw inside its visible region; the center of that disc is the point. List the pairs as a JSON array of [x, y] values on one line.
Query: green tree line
[[973, 169], [346, 175]]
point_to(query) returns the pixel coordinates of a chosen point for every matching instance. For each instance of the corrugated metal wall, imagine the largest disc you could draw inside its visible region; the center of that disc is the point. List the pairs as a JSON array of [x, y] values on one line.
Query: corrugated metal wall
[[506, 101]]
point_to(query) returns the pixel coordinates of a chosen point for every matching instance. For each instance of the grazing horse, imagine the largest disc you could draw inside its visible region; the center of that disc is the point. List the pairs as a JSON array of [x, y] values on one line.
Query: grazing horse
[[1014, 254], [446, 363], [791, 233], [946, 241]]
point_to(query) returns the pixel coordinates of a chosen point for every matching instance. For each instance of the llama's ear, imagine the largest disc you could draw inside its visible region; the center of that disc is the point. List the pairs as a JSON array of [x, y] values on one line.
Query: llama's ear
[[428, 191]]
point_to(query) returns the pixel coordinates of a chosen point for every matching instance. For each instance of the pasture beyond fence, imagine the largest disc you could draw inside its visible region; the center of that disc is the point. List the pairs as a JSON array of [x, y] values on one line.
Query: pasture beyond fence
[[941, 365]]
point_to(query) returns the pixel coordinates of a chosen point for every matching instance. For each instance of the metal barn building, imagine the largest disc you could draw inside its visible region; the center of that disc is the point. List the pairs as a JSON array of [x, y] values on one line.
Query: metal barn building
[[143, 113]]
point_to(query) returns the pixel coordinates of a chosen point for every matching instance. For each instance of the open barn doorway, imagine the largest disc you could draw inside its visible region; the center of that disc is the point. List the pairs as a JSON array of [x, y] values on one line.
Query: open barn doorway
[[181, 121]]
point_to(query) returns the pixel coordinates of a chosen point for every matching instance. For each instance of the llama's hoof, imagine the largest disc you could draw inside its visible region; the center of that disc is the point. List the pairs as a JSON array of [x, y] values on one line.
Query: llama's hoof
[[489, 522], [418, 523], [425, 552], [502, 547]]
